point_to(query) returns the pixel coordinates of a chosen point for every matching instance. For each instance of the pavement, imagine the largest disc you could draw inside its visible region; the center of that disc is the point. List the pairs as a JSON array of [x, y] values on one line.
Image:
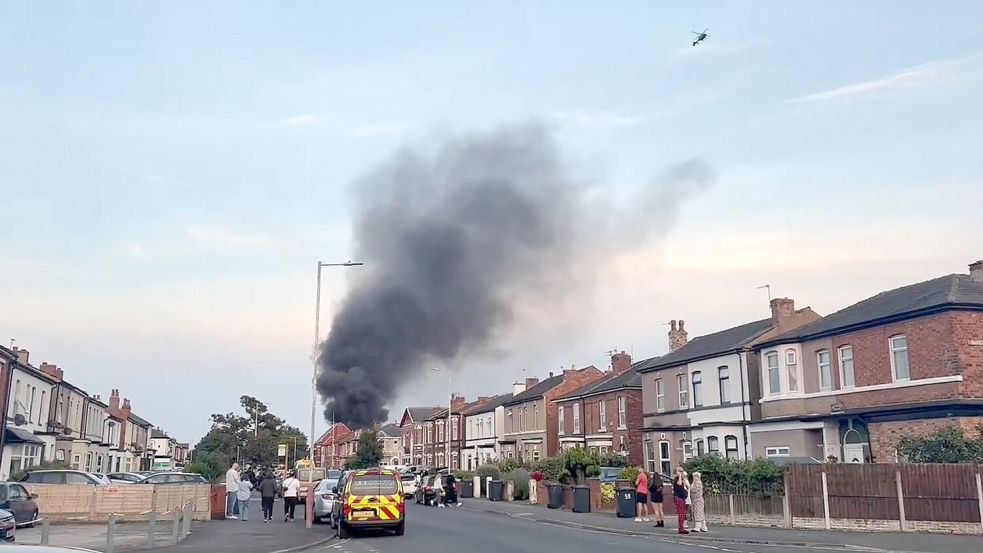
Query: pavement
[[129, 536]]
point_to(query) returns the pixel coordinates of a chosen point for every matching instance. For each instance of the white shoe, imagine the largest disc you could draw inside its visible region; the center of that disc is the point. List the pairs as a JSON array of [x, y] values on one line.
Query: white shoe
[[646, 519], [638, 519], [232, 517], [459, 503]]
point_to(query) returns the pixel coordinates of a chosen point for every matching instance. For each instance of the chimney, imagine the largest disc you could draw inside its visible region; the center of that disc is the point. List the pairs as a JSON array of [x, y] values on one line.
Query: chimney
[[53, 371], [114, 401], [483, 399], [127, 410], [677, 335], [976, 271], [530, 382], [782, 309], [518, 388], [457, 403], [620, 362], [23, 356]]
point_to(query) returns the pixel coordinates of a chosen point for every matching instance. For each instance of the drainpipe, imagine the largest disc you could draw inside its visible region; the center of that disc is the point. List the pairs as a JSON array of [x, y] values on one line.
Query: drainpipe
[[740, 364]]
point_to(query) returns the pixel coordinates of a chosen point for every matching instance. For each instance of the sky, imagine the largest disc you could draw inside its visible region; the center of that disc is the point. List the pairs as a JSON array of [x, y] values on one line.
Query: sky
[[171, 173]]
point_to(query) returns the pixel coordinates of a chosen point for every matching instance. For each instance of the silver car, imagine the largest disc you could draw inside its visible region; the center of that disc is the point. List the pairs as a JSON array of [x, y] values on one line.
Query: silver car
[[324, 496]]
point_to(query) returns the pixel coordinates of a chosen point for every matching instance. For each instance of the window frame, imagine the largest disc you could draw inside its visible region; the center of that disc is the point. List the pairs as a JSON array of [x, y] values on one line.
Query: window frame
[[660, 396], [665, 456], [696, 378], [853, 375], [723, 384], [682, 382], [894, 351], [560, 417], [825, 369], [576, 418], [713, 445], [728, 439], [777, 371], [792, 371], [776, 451], [602, 415], [700, 447], [622, 413]]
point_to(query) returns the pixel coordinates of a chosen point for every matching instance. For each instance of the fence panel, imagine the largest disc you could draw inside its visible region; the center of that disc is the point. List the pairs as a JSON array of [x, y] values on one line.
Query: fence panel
[[866, 492], [940, 492], [805, 490]]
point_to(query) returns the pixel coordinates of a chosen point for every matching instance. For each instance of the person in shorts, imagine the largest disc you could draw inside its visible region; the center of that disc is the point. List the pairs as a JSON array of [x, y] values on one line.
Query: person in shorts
[[642, 496]]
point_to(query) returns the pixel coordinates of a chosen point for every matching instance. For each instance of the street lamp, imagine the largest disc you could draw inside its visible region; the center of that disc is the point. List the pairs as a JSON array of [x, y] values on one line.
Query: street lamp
[[450, 403]]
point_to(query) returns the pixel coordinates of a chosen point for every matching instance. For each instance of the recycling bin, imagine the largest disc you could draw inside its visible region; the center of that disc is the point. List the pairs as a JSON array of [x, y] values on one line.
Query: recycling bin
[[555, 492], [467, 488], [626, 502], [496, 490], [581, 499]]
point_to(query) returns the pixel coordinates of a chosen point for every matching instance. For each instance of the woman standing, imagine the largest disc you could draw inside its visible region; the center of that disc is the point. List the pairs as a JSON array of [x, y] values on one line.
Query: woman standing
[[642, 496], [242, 496], [655, 496], [267, 490], [680, 491], [699, 505]]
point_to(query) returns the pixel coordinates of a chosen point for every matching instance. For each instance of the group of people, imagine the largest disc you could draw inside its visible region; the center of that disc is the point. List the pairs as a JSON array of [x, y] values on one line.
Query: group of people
[[686, 495], [239, 489]]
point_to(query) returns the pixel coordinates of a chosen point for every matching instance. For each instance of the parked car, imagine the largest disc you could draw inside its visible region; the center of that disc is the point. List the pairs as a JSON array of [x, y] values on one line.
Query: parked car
[[324, 497], [314, 476], [124, 477], [172, 478], [8, 526], [63, 477], [428, 490], [409, 484], [18, 501], [370, 498]]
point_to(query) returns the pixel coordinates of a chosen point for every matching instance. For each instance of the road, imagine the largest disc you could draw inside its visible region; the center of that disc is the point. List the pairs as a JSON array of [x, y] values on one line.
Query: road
[[429, 529]]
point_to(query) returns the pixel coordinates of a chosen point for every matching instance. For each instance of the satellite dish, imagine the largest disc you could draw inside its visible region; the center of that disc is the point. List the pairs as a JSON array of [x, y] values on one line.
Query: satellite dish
[[66, 431], [19, 419]]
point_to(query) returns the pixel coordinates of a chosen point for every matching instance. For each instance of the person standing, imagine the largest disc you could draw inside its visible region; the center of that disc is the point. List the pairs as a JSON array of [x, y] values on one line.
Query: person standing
[[642, 496], [680, 491], [231, 490], [291, 489], [267, 492], [657, 499], [698, 503], [243, 495]]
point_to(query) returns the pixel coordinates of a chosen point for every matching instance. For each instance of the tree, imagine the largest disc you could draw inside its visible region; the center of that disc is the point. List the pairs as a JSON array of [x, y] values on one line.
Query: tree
[[947, 445], [369, 453], [252, 438]]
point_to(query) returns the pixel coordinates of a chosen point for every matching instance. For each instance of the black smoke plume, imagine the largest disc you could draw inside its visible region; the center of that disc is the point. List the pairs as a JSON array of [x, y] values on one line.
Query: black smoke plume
[[451, 238]]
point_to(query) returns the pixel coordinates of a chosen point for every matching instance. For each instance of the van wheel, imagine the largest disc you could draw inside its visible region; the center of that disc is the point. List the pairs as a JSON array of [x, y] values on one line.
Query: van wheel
[[401, 528], [343, 532]]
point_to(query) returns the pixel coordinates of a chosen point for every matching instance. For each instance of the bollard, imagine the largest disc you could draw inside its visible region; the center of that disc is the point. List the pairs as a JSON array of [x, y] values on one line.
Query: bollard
[[532, 491], [111, 534], [730, 507], [186, 521], [151, 527], [45, 531], [477, 487], [177, 526], [509, 490]]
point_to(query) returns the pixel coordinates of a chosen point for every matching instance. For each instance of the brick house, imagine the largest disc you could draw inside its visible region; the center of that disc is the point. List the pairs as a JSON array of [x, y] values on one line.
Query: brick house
[[326, 447], [531, 417], [413, 430], [436, 449], [605, 415], [906, 360], [701, 396]]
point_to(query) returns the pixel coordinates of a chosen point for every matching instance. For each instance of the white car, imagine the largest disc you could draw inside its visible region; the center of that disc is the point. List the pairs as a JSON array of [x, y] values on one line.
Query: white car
[[409, 484]]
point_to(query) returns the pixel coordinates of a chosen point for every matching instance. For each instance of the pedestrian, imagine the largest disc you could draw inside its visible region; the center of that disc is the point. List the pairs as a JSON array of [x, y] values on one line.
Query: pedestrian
[[698, 503], [243, 495], [267, 491], [250, 474], [291, 489], [680, 492], [655, 496], [642, 496], [231, 490]]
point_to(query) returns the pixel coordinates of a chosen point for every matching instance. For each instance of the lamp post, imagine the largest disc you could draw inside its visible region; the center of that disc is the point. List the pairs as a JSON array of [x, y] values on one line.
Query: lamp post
[[317, 336], [450, 405]]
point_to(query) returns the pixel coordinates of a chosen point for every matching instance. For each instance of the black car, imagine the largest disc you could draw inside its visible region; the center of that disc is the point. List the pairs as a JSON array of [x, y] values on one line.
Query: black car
[[429, 489], [20, 502]]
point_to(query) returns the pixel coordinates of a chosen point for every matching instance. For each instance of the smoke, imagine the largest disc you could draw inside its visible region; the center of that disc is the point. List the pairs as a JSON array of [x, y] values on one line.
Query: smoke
[[451, 239]]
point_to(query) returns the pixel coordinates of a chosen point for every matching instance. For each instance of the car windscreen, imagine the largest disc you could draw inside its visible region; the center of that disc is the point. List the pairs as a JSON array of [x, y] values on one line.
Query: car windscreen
[[306, 475], [374, 484], [326, 486], [408, 478]]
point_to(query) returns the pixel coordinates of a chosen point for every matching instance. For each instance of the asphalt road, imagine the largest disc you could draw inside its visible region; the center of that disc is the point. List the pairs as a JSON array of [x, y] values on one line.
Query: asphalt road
[[429, 529]]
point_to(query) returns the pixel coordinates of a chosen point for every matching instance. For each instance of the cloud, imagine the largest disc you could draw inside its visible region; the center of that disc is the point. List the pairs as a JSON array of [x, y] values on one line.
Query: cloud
[[600, 119], [935, 74], [304, 119], [222, 237], [375, 131]]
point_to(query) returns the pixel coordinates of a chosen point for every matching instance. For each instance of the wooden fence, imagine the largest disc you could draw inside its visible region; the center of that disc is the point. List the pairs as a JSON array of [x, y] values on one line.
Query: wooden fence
[[84, 503]]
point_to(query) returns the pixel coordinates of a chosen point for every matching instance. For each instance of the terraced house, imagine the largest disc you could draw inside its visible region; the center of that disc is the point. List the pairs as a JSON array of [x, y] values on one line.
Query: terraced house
[[414, 428], [701, 397], [848, 385]]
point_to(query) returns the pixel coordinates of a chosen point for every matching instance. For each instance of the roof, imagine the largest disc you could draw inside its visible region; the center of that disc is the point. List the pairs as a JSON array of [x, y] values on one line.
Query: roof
[[390, 430], [139, 421], [608, 383], [158, 433], [947, 292], [422, 413], [15, 435], [536, 391], [490, 405], [710, 345]]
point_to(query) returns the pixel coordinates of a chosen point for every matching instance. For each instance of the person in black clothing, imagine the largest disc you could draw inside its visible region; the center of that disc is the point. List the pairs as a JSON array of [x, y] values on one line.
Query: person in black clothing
[[656, 497], [450, 491], [267, 490]]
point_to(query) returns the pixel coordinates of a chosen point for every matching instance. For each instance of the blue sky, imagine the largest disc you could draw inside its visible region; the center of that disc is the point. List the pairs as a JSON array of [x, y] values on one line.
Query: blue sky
[[171, 173]]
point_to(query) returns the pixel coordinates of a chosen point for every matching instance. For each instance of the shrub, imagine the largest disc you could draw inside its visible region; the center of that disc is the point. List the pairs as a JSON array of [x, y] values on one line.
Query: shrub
[[553, 469], [628, 473], [613, 459], [723, 475], [607, 493], [484, 471], [464, 474], [593, 471], [520, 477], [577, 459], [508, 465]]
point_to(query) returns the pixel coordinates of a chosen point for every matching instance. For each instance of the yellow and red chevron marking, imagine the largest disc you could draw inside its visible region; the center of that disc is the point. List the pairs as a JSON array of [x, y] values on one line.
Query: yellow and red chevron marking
[[388, 512]]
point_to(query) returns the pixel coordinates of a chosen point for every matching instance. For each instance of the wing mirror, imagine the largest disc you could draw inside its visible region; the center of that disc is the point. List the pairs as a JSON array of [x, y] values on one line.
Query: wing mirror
[[34, 496], [334, 489]]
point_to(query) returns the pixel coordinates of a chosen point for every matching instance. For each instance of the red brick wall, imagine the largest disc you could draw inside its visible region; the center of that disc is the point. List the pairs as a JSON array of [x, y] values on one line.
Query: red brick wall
[[572, 379], [967, 332], [884, 436]]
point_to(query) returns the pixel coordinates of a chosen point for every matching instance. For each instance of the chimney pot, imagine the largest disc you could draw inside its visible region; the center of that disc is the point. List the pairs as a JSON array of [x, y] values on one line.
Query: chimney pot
[[677, 335], [23, 356], [620, 362], [976, 271], [782, 309]]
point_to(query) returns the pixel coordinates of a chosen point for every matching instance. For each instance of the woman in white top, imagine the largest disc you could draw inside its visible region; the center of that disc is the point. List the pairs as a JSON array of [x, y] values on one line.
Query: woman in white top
[[291, 488], [242, 497]]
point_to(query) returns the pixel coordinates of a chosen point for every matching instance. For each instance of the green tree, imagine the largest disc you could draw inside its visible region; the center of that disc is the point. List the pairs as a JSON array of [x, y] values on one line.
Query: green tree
[[577, 459], [947, 445], [252, 438], [369, 452]]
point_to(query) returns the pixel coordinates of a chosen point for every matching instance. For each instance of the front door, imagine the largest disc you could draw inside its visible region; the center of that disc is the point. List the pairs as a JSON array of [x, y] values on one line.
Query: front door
[[853, 453]]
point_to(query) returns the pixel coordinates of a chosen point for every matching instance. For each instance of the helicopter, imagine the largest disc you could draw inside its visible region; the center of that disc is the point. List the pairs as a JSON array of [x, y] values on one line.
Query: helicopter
[[700, 37]]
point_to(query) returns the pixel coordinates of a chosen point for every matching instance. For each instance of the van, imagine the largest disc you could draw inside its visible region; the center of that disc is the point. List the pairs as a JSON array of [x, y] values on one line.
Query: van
[[371, 498]]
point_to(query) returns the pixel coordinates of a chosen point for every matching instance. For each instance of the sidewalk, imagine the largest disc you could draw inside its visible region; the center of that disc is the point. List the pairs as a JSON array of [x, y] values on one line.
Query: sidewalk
[[129, 536], [883, 541]]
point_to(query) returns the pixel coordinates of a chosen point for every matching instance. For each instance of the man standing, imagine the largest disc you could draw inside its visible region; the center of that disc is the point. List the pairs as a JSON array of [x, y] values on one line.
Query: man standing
[[231, 489]]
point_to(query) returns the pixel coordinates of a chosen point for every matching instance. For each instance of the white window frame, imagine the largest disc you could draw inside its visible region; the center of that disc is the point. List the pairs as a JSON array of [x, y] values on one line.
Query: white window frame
[[723, 384], [895, 350], [825, 369], [660, 396], [665, 453], [622, 413], [602, 415], [697, 379], [687, 447], [560, 416], [728, 439], [682, 381], [700, 447], [792, 370], [777, 367], [576, 418], [778, 451], [713, 445], [852, 381]]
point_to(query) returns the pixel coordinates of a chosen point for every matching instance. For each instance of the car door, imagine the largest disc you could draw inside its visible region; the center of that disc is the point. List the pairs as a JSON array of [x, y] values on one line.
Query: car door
[[17, 500], [28, 505], [77, 479]]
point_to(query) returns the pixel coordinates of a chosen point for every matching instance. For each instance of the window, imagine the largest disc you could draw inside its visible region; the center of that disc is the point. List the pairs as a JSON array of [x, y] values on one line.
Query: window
[[779, 451], [24, 457], [76, 461], [429, 433], [511, 428], [30, 410], [76, 478], [622, 413], [576, 418], [713, 445], [535, 454], [88, 462], [774, 376], [660, 396], [525, 417], [899, 358], [730, 444], [665, 464], [683, 391], [699, 447], [791, 370], [687, 448], [825, 370], [723, 383], [650, 456], [560, 428], [602, 415], [697, 389], [846, 367], [535, 415], [454, 429]]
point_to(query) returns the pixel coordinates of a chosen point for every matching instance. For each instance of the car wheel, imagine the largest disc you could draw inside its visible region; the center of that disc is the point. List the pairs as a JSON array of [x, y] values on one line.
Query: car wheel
[[343, 532], [401, 528], [34, 519]]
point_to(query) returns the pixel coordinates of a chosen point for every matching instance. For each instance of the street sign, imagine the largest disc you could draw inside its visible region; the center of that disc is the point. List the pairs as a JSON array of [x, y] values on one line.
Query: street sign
[[281, 450]]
